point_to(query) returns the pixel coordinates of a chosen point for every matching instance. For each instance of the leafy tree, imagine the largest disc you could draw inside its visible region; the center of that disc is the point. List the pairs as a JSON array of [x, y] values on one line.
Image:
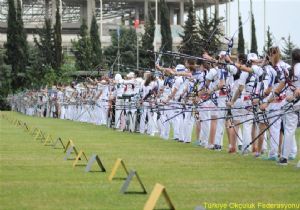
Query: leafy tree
[[146, 59], [96, 43], [190, 38], [83, 49], [241, 41], [166, 34], [287, 49], [127, 45], [253, 36]]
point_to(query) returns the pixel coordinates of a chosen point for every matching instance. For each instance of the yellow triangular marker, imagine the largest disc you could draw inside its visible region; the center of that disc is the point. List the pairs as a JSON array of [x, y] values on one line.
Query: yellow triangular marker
[[40, 136], [33, 130], [154, 196], [27, 127], [115, 168], [48, 141], [78, 157], [37, 134], [70, 143], [58, 140]]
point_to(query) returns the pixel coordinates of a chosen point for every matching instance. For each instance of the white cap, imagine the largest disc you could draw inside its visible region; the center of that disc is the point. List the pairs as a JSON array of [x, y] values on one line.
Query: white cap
[[252, 57], [130, 75], [222, 53], [118, 77], [180, 67]]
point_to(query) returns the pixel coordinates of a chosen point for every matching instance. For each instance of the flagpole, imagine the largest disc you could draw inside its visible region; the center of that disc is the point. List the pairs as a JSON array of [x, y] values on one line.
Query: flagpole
[[118, 31], [156, 25], [265, 22]]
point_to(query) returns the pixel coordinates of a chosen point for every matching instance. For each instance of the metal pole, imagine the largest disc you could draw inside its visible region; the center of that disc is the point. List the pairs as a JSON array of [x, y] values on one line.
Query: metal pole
[[156, 23], [137, 51], [251, 23], [156, 26], [119, 34], [265, 22], [227, 19], [101, 19]]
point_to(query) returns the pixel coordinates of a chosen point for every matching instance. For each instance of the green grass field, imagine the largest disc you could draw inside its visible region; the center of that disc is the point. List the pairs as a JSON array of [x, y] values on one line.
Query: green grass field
[[33, 176]]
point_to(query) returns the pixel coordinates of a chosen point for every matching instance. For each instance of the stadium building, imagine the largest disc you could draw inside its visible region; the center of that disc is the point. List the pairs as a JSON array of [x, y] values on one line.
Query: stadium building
[[110, 14]]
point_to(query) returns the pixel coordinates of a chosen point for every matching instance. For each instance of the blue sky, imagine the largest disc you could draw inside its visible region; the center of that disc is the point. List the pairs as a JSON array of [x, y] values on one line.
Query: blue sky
[[283, 17]]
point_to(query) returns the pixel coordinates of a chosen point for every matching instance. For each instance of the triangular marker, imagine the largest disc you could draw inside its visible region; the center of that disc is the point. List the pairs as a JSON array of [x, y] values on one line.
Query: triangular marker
[[37, 134], [115, 168], [70, 143], [154, 196], [40, 135], [78, 157], [26, 127], [69, 152], [33, 131], [48, 141], [59, 140], [129, 179], [92, 160]]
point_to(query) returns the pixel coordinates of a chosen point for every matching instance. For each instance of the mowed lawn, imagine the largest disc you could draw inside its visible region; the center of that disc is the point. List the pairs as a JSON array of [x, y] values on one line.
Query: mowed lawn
[[33, 176]]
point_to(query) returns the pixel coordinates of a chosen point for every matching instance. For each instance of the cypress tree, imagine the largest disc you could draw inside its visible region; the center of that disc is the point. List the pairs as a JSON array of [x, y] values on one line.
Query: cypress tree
[[11, 44], [83, 49], [190, 39], [147, 60], [23, 59], [45, 44], [241, 40], [166, 35], [253, 37], [287, 49], [210, 33], [58, 39], [42, 56], [96, 43], [16, 46], [5, 81], [269, 42]]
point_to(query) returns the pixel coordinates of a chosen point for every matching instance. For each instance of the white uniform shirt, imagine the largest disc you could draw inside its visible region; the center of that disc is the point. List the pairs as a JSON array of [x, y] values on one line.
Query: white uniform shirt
[[147, 89], [296, 83], [252, 81], [213, 76], [119, 88], [179, 85]]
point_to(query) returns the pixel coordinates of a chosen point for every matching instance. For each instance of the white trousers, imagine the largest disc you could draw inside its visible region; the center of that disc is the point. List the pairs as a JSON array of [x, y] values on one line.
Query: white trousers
[[220, 122], [164, 124], [177, 121], [289, 145], [118, 112], [145, 114], [205, 126], [188, 124]]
